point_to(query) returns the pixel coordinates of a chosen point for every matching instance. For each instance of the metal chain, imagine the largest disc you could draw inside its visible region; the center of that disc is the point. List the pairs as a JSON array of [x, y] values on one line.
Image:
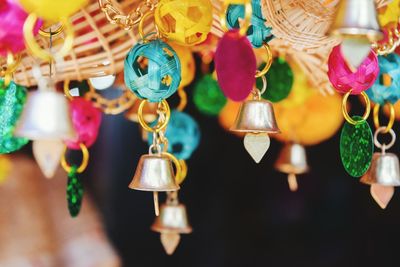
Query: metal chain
[[115, 16], [113, 106]]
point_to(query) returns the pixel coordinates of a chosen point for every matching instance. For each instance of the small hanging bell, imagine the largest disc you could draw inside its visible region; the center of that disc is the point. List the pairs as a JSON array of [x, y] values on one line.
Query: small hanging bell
[[171, 223], [256, 118], [357, 18], [46, 116], [292, 160], [384, 170], [154, 173]]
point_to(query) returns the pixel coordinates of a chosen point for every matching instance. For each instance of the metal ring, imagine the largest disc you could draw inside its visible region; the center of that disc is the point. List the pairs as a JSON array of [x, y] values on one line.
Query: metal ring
[[184, 171], [52, 33], [381, 130], [34, 47], [158, 127], [178, 167], [140, 26], [67, 92], [157, 147], [346, 114], [268, 64], [182, 99], [391, 117], [85, 160], [248, 11]]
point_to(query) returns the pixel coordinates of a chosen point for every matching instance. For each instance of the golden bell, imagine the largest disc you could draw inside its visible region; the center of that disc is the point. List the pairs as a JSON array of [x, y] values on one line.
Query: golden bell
[[292, 159], [357, 18], [154, 173], [172, 219], [256, 116], [384, 170], [46, 116]]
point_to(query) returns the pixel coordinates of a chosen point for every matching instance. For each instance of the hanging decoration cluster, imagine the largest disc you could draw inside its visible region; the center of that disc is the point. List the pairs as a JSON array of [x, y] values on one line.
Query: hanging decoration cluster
[[250, 94]]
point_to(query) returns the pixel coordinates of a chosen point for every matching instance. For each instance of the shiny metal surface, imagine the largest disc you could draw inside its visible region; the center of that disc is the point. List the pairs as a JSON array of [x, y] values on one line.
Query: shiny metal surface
[[172, 219], [256, 116], [46, 116], [149, 112], [384, 170], [357, 18], [292, 159], [154, 173]]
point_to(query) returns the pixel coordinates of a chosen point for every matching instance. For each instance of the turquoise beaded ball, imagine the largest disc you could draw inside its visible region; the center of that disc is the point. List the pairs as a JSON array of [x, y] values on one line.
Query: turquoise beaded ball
[[258, 33], [380, 93], [12, 100], [152, 70], [183, 134]]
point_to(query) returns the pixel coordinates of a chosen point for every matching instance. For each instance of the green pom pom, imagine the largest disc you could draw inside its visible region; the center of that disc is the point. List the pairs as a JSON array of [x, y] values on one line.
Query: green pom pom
[[208, 97]]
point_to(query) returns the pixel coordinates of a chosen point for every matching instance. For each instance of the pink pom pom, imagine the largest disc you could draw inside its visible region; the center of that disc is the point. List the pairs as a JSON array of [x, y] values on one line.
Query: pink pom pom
[[344, 80], [86, 120], [235, 64], [12, 18]]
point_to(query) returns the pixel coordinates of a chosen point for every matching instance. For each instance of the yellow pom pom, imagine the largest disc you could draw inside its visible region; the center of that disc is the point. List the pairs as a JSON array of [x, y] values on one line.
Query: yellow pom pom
[[5, 167], [188, 66], [390, 13], [52, 10], [186, 22]]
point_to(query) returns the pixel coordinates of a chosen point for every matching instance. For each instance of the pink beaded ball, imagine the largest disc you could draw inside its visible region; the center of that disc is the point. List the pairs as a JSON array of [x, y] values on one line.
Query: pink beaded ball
[[235, 64], [86, 120], [12, 18], [344, 80]]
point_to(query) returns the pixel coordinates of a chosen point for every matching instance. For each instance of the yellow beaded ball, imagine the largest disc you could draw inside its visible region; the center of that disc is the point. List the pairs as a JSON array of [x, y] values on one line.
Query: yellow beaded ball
[[52, 10], [184, 22], [188, 66]]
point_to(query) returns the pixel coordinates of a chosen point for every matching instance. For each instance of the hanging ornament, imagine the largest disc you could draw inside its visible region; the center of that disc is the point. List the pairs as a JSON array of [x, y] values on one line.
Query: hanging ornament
[[293, 161], [52, 10], [86, 120], [171, 223], [281, 76], [12, 18], [384, 173], [235, 64], [160, 78], [387, 86], [344, 79], [74, 183], [257, 33], [48, 154], [12, 100], [183, 135], [207, 96], [357, 24], [184, 22], [188, 66]]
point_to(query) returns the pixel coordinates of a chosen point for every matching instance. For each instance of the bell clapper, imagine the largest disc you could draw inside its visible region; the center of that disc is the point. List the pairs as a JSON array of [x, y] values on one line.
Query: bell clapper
[[170, 241], [257, 145], [48, 154], [156, 206], [292, 181]]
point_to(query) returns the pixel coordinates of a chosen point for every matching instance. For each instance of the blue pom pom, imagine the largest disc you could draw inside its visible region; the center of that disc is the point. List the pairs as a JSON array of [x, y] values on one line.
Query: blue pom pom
[[379, 93], [258, 33], [183, 134], [160, 79]]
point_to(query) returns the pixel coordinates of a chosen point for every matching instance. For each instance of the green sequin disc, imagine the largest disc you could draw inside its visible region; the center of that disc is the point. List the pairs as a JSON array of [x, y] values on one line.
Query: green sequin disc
[[208, 97], [12, 100], [279, 79], [74, 192], [356, 147]]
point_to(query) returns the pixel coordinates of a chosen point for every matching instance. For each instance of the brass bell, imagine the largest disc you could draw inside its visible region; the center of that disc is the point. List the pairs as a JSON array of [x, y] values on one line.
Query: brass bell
[[256, 116], [384, 170], [172, 219], [154, 173], [357, 18], [46, 116], [292, 160], [171, 223]]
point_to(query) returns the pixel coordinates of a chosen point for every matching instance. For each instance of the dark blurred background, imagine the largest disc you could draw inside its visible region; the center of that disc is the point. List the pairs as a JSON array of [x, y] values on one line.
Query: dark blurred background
[[242, 213]]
